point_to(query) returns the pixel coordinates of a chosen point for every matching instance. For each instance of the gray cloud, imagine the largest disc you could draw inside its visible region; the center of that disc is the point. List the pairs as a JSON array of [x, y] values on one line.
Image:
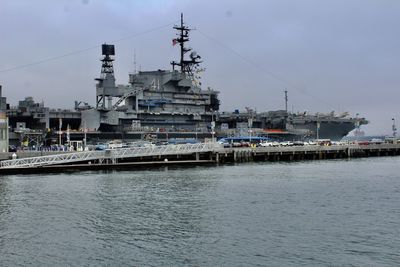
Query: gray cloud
[[330, 55]]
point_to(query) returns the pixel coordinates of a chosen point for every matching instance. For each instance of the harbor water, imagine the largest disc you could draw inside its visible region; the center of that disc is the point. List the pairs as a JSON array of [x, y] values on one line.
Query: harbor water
[[314, 213]]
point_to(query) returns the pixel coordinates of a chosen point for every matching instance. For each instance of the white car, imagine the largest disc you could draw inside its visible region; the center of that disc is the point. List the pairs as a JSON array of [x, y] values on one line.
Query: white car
[[310, 143], [286, 143], [265, 144], [269, 144]]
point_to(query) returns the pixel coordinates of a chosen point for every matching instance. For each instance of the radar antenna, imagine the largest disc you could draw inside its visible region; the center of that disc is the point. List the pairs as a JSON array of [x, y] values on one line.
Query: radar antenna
[[187, 66], [107, 65], [106, 82]]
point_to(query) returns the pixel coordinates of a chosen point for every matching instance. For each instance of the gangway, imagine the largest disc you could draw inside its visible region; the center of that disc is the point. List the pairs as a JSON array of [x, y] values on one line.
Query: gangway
[[109, 155], [130, 93]]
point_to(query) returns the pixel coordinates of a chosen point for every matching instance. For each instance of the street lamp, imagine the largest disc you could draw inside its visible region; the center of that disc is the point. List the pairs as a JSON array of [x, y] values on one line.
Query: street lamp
[[394, 128], [68, 137], [357, 122], [212, 126], [85, 139], [250, 124], [59, 131]]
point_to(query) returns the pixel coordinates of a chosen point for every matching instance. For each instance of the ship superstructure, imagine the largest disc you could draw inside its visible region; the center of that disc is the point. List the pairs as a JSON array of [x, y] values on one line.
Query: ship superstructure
[[161, 100]]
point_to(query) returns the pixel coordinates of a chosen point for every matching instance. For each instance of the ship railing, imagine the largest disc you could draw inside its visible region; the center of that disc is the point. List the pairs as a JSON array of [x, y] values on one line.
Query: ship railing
[[112, 154]]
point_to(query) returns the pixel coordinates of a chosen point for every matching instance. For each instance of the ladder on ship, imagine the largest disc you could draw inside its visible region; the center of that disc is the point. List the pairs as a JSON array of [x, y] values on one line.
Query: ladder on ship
[[109, 155]]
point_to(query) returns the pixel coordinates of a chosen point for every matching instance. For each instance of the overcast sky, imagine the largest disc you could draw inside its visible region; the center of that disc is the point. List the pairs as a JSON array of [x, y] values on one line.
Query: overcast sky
[[329, 55]]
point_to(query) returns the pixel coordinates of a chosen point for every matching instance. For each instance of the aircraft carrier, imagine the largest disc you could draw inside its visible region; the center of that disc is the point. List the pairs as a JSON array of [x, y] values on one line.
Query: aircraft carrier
[[162, 104]]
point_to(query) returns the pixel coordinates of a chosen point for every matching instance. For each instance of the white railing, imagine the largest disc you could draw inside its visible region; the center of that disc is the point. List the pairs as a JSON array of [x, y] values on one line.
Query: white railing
[[112, 154], [161, 150], [51, 159]]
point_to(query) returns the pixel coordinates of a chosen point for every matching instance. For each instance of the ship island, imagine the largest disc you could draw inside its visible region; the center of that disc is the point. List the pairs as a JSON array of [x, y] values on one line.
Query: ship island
[[161, 105]]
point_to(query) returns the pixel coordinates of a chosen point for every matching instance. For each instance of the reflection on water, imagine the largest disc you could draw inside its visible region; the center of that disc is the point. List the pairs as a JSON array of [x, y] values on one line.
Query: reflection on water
[[306, 213], [4, 196], [4, 208]]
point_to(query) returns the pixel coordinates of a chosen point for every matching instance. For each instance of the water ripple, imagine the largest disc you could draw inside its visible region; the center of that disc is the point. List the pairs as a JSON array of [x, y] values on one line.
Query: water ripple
[[271, 214]]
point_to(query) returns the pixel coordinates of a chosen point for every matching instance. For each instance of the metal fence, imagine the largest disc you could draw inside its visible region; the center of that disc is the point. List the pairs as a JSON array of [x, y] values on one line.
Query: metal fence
[[111, 154]]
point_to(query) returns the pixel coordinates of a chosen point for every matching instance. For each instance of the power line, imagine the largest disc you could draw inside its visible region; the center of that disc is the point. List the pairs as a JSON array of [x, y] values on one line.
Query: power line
[[257, 66], [85, 49]]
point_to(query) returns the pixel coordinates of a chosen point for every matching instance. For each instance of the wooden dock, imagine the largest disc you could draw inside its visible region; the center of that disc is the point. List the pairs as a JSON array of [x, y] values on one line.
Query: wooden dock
[[295, 153]]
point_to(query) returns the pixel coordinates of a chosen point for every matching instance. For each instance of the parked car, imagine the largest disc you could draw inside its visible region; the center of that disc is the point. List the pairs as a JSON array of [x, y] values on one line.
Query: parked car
[[376, 141], [286, 143], [310, 143], [225, 144], [114, 144], [236, 144], [266, 144], [269, 144], [298, 143], [363, 143], [161, 143], [245, 144], [100, 146]]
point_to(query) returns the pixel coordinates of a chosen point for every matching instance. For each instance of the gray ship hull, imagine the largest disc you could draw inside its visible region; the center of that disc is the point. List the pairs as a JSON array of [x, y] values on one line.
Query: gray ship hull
[[334, 129], [328, 127]]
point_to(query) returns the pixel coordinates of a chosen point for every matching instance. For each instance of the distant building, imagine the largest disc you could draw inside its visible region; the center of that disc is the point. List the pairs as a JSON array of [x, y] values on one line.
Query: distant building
[[3, 124], [3, 132], [3, 101]]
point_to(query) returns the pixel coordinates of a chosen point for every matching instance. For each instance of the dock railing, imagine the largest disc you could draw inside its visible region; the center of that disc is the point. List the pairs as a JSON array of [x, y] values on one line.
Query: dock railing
[[109, 154]]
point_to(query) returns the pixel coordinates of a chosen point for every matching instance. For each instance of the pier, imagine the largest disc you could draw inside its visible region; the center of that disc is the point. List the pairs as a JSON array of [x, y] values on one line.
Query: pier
[[202, 153], [296, 153]]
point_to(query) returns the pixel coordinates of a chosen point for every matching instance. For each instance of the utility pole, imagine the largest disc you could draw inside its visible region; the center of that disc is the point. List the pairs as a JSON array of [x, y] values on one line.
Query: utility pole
[[85, 136], [134, 61], [212, 126], [286, 100], [250, 119], [250, 124], [394, 128], [68, 137], [59, 131]]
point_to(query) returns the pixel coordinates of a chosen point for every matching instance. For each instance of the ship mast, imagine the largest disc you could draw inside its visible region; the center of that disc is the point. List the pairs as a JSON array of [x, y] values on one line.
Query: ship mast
[[186, 66]]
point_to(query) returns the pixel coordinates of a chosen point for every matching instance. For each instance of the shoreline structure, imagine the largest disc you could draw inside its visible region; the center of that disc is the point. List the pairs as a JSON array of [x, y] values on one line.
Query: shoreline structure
[[187, 154]]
